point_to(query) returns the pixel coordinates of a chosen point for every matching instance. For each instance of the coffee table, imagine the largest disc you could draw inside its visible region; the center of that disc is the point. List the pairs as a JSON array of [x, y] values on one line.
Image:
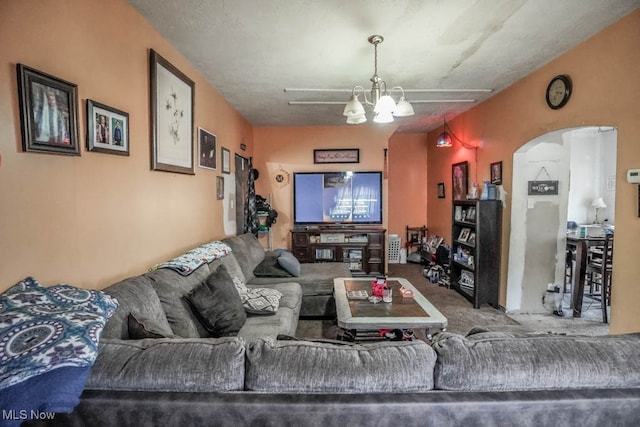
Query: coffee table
[[362, 318]]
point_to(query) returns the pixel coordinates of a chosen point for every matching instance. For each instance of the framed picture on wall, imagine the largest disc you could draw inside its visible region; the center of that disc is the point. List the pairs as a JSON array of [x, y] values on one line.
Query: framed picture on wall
[[172, 103], [338, 155], [107, 129], [206, 149], [496, 173], [441, 190], [226, 160], [219, 187], [48, 113], [459, 178]]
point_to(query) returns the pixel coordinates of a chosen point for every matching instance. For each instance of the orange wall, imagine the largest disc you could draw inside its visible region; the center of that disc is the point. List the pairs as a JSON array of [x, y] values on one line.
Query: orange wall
[[606, 90], [95, 219], [291, 149], [407, 183]]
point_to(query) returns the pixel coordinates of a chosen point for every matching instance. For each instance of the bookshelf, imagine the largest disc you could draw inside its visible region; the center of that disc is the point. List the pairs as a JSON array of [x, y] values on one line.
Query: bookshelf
[[476, 250]]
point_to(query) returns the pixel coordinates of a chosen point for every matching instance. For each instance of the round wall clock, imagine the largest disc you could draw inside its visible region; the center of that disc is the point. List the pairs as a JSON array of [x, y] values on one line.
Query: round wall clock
[[558, 91]]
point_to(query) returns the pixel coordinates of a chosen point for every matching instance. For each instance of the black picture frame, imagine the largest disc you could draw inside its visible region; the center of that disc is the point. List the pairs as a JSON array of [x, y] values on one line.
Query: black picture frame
[[336, 155], [441, 192], [48, 113], [172, 117], [207, 149], [495, 171], [107, 129], [225, 155], [460, 180]]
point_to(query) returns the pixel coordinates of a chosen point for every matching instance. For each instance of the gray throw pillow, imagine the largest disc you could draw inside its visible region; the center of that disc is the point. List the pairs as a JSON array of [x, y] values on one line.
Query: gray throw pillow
[[269, 267], [141, 328], [217, 304], [289, 263]]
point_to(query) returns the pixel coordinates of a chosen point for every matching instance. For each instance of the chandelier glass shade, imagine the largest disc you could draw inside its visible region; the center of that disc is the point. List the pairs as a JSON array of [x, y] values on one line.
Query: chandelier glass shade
[[383, 105]]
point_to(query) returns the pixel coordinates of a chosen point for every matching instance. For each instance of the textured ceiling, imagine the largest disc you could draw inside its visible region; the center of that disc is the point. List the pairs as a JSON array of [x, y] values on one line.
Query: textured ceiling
[[252, 50]]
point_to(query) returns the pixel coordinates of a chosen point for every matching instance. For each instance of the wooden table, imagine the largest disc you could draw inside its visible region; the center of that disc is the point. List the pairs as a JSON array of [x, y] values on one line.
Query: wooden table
[[359, 315], [581, 246]]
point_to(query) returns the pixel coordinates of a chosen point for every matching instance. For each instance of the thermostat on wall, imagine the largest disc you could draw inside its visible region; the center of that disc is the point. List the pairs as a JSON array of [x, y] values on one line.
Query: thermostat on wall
[[633, 176]]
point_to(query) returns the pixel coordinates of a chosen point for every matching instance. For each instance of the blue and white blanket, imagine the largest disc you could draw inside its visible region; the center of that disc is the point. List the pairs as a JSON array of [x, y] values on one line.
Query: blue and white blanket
[[189, 262], [42, 329]]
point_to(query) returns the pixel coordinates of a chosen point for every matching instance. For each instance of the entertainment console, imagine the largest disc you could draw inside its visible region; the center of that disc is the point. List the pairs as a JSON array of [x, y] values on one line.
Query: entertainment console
[[362, 249]]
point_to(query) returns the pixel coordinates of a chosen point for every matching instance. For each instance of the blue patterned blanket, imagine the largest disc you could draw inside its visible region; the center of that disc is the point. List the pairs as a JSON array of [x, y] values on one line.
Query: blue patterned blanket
[[189, 262], [46, 328]]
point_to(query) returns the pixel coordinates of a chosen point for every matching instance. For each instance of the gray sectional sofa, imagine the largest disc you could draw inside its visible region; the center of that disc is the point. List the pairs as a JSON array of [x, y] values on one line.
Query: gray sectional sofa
[[258, 378]]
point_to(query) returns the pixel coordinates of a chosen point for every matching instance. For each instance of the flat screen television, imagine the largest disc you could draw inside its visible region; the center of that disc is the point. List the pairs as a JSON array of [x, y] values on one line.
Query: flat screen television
[[337, 198]]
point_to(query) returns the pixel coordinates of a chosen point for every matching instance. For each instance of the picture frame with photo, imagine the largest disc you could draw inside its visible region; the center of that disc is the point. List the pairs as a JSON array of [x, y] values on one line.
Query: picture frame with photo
[[460, 180], [472, 238], [48, 113], [107, 129], [172, 117], [441, 193], [457, 215], [207, 146], [496, 173], [464, 234], [226, 160], [470, 214]]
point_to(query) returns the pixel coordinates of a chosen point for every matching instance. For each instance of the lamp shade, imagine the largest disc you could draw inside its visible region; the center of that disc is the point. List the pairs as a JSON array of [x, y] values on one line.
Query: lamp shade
[[403, 109], [353, 107], [383, 118], [598, 203], [444, 140], [356, 119], [385, 105]]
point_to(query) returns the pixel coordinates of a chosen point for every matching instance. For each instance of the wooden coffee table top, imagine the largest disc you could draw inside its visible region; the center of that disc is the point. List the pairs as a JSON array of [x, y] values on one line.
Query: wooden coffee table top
[[401, 313]]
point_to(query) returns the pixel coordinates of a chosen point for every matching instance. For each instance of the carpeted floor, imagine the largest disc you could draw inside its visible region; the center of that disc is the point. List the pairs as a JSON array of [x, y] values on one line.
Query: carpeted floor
[[462, 316]]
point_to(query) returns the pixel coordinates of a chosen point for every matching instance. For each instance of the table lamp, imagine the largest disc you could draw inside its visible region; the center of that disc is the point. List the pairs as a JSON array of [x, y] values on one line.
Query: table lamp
[[598, 204]]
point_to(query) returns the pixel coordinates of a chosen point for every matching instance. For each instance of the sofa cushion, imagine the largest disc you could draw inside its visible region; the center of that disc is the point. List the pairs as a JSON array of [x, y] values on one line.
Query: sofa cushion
[[217, 304], [304, 366], [232, 265], [496, 361], [141, 328], [135, 295], [190, 365], [289, 263], [171, 287], [270, 267]]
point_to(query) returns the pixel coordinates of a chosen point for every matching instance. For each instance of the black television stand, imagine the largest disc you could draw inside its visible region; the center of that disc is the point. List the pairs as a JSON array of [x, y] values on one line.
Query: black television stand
[[360, 247]]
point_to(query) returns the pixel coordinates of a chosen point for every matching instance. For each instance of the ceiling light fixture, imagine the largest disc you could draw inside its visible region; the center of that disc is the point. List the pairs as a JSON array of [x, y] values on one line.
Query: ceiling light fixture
[[384, 106]]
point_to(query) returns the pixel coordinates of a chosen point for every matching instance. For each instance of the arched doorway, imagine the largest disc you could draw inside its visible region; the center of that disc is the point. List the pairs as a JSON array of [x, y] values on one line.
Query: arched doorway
[[582, 160]]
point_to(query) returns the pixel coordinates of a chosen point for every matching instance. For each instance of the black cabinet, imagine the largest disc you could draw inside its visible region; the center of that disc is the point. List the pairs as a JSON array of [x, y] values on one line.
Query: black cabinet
[[475, 250], [362, 249]]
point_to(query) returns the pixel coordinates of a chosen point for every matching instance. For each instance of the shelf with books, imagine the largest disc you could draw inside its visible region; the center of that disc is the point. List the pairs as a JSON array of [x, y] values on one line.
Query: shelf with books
[[475, 251]]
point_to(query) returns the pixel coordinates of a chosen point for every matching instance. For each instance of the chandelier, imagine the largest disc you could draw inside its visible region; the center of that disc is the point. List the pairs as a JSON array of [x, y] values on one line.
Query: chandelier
[[383, 105]]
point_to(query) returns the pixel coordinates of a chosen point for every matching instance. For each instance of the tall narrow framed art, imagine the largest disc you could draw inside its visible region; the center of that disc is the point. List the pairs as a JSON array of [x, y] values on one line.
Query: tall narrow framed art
[[172, 112]]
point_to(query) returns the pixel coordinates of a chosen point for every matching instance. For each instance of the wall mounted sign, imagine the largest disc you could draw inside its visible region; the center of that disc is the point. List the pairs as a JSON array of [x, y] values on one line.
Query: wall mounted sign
[[339, 155], [543, 188]]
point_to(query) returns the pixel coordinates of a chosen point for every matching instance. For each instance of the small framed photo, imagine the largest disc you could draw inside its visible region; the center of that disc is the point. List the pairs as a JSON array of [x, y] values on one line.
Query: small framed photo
[[107, 129], [472, 238], [496, 173], [206, 149], [464, 234], [219, 187], [48, 113], [226, 160], [441, 190]]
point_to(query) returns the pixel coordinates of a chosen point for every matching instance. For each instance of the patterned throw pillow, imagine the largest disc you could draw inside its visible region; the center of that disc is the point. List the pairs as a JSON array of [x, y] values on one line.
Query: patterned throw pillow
[[258, 300]]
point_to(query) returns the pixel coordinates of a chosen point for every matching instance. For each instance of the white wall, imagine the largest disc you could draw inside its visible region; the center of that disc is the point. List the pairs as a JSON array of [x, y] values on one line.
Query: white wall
[[581, 160]]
